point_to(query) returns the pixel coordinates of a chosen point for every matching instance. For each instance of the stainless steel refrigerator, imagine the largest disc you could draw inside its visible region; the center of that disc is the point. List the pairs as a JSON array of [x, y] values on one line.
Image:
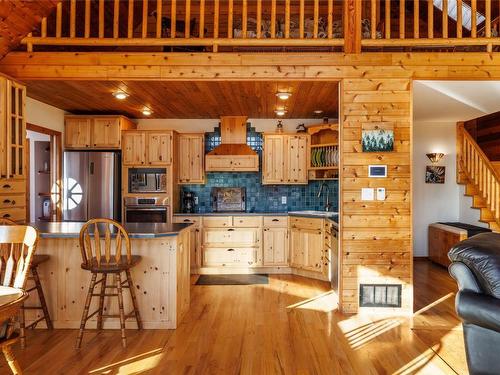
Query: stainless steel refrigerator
[[91, 185]]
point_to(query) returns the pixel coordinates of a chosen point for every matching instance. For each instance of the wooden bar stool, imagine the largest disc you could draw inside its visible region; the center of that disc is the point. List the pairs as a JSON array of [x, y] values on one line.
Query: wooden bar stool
[[37, 259], [99, 256]]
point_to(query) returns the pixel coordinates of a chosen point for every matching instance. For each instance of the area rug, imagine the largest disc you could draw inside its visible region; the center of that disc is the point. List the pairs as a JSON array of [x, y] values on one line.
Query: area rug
[[243, 279]]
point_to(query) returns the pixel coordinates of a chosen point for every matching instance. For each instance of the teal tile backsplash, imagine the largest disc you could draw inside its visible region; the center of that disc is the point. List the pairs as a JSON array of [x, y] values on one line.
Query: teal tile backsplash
[[264, 198]]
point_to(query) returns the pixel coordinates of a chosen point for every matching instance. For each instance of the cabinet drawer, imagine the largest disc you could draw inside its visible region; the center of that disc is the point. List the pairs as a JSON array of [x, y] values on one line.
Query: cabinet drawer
[[16, 214], [247, 221], [12, 186], [275, 221], [306, 223], [231, 237], [217, 221], [227, 257], [12, 200], [187, 220]]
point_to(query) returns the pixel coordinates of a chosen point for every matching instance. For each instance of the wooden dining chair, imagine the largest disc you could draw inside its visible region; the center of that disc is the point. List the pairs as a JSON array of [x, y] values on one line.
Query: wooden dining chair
[[33, 276], [18, 245], [101, 244]]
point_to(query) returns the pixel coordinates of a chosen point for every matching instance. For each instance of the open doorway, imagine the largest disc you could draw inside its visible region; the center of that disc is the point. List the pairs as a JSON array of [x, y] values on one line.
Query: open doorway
[[44, 174]]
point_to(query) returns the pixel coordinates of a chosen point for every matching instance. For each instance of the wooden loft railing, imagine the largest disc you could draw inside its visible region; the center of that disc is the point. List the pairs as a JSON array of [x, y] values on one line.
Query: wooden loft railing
[[421, 24], [474, 168], [195, 23]]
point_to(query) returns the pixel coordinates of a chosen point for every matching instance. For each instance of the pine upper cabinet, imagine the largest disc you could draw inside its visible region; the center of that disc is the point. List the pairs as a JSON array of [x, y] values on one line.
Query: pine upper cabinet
[[159, 146], [77, 132], [191, 158], [15, 134], [95, 132], [134, 148], [285, 159]]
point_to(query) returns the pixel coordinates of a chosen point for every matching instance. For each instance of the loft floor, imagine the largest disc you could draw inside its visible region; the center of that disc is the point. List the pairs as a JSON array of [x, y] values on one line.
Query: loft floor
[[287, 327]]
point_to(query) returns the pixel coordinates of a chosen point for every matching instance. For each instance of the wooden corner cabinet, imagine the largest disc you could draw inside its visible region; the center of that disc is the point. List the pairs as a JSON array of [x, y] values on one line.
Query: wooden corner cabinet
[[190, 158], [13, 156], [324, 155], [285, 159], [95, 132], [147, 147]]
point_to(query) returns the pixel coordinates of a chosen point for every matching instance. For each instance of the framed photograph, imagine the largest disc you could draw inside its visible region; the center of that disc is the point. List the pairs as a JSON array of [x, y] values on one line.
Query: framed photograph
[[379, 171], [377, 137], [435, 174]]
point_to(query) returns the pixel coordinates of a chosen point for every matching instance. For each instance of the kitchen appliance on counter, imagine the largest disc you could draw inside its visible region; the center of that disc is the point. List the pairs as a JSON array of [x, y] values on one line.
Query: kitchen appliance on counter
[[91, 185], [228, 199], [147, 180], [188, 202], [146, 210]]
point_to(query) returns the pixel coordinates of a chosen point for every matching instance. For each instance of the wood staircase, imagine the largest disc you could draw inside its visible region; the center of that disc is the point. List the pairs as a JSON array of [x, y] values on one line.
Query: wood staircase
[[480, 177]]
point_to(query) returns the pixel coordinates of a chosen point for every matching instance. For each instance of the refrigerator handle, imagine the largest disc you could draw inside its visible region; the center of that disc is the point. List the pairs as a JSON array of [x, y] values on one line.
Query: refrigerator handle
[[91, 167]]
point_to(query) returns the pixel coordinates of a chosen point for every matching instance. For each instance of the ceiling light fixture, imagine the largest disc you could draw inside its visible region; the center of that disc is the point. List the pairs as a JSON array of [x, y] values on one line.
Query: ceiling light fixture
[[147, 112], [280, 112], [283, 95], [120, 95]]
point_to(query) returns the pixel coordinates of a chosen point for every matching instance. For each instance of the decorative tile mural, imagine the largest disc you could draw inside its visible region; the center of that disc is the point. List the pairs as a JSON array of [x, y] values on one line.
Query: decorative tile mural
[[261, 198], [265, 198]]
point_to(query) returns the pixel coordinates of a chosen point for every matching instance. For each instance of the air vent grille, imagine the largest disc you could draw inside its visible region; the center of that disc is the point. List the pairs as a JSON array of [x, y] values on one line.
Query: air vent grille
[[380, 295]]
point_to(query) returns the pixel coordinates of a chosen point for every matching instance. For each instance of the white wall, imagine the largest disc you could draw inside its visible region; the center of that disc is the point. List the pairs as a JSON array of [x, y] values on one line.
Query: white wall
[[32, 138], [467, 214], [204, 125], [433, 202], [41, 114]]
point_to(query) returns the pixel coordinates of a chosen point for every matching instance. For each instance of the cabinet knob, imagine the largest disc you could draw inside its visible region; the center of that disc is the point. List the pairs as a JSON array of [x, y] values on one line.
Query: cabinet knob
[[6, 215], [230, 249], [6, 186]]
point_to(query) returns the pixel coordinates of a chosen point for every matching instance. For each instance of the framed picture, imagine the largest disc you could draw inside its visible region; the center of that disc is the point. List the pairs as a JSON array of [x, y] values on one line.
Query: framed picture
[[377, 171], [435, 174], [377, 136]]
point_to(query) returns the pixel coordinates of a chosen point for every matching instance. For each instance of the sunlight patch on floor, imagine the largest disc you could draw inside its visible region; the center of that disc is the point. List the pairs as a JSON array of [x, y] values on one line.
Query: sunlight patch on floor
[[361, 336], [142, 362], [422, 365], [325, 302]]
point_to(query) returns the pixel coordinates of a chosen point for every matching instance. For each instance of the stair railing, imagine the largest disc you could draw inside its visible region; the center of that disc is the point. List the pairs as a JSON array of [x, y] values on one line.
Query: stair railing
[[478, 170]]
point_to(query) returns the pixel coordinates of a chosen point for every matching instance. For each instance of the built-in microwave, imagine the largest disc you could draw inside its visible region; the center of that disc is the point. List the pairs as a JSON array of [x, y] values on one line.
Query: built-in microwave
[[147, 180]]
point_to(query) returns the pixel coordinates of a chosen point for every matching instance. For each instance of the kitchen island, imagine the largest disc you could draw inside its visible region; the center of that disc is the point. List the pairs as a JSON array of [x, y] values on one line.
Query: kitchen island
[[161, 279]]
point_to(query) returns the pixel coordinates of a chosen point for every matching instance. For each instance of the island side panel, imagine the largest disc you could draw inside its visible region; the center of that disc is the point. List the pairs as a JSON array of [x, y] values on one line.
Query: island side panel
[[155, 277], [183, 274]]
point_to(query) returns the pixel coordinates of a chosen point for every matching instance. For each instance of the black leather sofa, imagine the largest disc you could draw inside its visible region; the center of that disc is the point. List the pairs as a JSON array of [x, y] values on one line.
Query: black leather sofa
[[476, 268]]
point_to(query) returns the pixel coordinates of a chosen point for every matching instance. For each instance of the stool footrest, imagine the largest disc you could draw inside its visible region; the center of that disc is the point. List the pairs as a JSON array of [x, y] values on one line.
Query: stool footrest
[[33, 324], [105, 295], [127, 316], [91, 315]]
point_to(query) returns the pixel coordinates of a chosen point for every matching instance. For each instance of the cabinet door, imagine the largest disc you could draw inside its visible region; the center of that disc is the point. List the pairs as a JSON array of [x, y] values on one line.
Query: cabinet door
[[77, 132], [134, 148], [296, 159], [195, 248], [159, 148], [191, 157], [273, 159], [234, 237], [16, 129], [275, 246], [314, 249], [297, 244], [106, 132]]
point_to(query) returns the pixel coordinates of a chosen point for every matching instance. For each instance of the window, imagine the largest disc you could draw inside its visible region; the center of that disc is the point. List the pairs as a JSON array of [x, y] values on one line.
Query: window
[[466, 12]]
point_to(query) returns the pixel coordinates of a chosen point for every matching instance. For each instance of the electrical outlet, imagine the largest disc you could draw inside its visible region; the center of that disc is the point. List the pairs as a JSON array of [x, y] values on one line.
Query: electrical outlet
[[195, 200], [283, 200]]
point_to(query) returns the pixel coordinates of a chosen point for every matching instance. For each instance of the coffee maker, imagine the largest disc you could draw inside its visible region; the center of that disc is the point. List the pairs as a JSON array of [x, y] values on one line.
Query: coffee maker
[[188, 202]]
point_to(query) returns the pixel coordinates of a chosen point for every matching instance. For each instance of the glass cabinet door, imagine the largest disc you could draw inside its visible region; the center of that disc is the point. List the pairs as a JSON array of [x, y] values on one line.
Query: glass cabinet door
[[16, 129]]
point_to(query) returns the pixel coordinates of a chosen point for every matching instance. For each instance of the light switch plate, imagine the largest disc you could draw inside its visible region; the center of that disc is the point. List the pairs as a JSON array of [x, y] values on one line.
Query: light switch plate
[[381, 194], [367, 194], [283, 200]]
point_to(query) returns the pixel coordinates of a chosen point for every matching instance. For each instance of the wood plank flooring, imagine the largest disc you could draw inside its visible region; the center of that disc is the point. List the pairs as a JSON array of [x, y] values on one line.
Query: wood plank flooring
[[287, 327]]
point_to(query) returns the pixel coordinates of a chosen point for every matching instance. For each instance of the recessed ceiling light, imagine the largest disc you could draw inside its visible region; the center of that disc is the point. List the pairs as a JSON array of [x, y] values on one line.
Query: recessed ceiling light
[[120, 95], [283, 95], [147, 112], [318, 111], [280, 112]]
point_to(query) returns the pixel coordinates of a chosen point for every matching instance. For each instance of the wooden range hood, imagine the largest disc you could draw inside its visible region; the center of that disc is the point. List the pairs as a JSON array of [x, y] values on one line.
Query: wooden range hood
[[233, 154]]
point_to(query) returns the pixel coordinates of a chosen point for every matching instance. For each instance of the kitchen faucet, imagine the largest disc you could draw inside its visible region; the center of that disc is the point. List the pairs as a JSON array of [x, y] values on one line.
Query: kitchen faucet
[[327, 205]]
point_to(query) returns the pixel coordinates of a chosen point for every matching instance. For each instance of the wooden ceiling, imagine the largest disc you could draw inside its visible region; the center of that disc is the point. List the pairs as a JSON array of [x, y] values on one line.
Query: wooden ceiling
[[18, 18], [187, 99]]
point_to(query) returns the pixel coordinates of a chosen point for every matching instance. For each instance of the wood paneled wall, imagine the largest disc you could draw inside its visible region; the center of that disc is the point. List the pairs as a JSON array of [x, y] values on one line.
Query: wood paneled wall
[[376, 235]]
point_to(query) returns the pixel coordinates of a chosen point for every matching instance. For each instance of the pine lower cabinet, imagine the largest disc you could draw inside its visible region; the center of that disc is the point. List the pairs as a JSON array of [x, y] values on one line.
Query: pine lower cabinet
[[307, 244], [275, 241], [194, 239]]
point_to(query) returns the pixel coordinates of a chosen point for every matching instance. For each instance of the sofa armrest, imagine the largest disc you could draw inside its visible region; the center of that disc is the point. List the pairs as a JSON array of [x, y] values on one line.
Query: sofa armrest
[[479, 309]]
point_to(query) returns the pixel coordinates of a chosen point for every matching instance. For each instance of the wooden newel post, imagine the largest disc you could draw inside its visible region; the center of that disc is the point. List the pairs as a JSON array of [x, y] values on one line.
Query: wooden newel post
[[352, 22]]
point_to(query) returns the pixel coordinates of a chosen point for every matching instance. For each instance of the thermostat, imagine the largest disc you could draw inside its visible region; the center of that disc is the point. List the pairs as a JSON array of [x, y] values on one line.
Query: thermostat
[[377, 171]]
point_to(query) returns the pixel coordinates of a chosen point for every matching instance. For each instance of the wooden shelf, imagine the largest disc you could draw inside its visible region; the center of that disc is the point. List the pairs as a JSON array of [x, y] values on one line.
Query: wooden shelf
[[324, 145], [323, 179], [322, 168], [44, 195], [44, 172]]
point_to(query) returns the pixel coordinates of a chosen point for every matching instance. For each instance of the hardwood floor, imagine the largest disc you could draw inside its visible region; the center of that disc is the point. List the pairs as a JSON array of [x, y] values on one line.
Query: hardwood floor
[[287, 327]]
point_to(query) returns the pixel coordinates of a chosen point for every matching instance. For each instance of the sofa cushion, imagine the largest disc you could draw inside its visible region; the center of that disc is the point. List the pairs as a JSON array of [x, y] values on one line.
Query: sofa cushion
[[481, 254]]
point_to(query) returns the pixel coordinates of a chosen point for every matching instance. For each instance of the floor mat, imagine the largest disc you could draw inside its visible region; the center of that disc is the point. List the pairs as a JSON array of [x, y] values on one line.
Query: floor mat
[[243, 279]]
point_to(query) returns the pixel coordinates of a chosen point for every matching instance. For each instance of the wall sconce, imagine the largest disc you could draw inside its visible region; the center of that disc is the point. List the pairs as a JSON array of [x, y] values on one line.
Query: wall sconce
[[435, 157]]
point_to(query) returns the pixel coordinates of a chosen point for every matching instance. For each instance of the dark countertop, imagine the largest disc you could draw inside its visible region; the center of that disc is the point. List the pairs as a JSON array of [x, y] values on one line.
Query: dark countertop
[[135, 230]]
